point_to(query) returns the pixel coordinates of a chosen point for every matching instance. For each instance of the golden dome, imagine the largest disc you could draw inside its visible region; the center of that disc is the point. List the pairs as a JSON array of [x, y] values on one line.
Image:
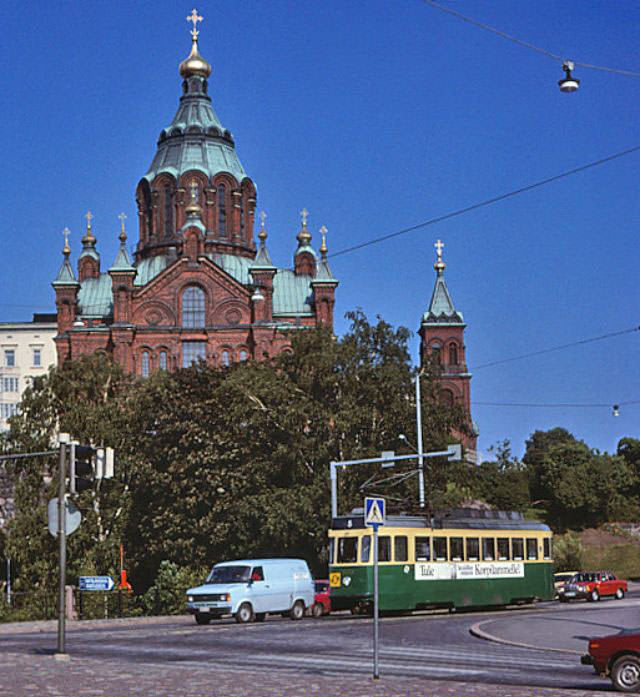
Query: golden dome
[[195, 64]]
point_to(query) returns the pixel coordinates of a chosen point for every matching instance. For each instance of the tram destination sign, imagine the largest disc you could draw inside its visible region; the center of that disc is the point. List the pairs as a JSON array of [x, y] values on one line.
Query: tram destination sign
[[468, 570]]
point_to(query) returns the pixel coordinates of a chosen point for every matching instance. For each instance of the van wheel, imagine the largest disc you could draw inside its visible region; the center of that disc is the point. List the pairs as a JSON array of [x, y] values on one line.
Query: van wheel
[[244, 614], [202, 619], [260, 616], [297, 611], [317, 610]]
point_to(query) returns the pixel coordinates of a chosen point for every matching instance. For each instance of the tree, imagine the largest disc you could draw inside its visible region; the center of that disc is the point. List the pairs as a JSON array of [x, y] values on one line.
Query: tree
[[504, 482], [538, 446]]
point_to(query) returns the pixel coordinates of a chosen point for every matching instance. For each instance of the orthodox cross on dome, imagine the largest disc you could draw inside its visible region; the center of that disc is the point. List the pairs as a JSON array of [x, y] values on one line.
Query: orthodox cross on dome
[[439, 245], [194, 17], [66, 232], [323, 246], [304, 213], [123, 235], [262, 215], [89, 216]]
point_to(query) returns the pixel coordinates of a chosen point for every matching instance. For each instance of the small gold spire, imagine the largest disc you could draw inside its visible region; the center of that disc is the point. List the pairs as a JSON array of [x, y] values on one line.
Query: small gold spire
[[194, 64], [439, 266], [123, 233], [323, 246], [89, 238], [66, 250], [262, 235], [194, 204], [304, 237]]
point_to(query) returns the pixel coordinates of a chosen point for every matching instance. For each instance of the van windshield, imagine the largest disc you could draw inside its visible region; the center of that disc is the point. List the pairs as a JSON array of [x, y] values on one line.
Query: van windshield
[[229, 574]]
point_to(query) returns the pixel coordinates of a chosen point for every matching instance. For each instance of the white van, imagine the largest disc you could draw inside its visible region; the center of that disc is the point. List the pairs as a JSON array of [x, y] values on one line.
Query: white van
[[248, 589]]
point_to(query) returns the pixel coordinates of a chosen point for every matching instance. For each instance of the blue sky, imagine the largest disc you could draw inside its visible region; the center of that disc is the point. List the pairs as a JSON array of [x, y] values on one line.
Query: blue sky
[[374, 115]]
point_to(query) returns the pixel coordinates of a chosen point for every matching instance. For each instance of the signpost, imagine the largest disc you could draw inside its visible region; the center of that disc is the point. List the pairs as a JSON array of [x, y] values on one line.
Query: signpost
[[95, 583], [374, 517]]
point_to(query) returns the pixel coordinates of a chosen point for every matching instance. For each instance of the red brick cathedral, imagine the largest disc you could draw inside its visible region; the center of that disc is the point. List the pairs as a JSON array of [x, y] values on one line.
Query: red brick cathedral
[[442, 337], [197, 286]]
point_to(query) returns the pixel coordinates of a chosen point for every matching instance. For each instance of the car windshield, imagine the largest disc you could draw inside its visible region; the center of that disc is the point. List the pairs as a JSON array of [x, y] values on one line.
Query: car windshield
[[564, 577], [229, 574]]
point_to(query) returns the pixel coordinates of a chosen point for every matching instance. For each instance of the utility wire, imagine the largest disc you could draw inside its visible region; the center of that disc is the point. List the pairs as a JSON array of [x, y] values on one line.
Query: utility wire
[[556, 348], [527, 44], [556, 405], [487, 202]]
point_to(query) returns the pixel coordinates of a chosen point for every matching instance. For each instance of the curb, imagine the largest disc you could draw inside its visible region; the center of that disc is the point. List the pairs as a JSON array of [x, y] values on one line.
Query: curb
[[476, 631], [48, 626]]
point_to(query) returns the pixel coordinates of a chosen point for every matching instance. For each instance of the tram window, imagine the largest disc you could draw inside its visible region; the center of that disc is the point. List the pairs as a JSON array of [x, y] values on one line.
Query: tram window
[[384, 548], [455, 548], [517, 545], [440, 548], [532, 549], [546, 547], [423, 549], [503, 548], [331, 542], [488, 549], [473, 549], [365, 549], [400, 548], [347, 550]]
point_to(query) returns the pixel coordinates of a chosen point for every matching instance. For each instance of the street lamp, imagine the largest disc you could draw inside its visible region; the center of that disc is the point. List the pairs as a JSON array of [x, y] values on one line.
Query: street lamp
[[568, 82]]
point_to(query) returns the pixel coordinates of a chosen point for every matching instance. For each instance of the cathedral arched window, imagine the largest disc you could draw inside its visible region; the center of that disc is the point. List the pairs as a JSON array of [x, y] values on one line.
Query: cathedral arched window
[[193, 307], [222, 210], [453, 354], [144, 364], [168, 212], [242, 218], [436, 352], [243, 356], [446, 398], [224, 360], [162, 360]]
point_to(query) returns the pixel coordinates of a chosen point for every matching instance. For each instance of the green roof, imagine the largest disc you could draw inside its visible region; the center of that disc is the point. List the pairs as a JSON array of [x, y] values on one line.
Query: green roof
[[441, 310], [95, 298]]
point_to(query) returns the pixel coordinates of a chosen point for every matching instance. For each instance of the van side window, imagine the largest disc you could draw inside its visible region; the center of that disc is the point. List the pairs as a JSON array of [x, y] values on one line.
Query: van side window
[[257, 574], [517, 545], [365, 549], [347, 550], [400, 548], [503, 548], [384, 548], [455, 548], [532, 549], [473, 548], [440, 548], [488, 549], [423, 549]]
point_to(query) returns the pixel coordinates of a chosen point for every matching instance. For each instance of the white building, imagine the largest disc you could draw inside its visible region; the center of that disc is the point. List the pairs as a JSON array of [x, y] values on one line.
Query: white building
[[26, 350]]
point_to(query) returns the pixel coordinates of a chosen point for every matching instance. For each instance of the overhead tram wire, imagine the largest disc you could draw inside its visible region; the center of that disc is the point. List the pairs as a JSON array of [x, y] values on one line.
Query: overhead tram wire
[[556, 348], [551, 405], [527, 44], [487, 202]]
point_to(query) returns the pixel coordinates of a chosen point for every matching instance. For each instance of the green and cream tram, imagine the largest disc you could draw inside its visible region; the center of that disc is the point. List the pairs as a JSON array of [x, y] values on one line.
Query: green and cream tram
[[466, 558]]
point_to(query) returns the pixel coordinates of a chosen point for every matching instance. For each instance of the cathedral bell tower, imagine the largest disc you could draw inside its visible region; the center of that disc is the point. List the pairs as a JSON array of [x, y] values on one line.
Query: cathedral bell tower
[[442, 339]]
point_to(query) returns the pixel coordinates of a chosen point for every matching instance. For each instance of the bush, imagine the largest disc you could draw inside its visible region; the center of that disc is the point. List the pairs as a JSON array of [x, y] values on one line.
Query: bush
[[568, 552], [167, 594]]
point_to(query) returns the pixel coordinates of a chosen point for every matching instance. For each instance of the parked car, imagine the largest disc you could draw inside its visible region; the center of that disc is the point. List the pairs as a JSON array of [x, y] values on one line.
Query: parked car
[[617, 656], [562, 577], [321, 601], [592, 585], [249, 589]]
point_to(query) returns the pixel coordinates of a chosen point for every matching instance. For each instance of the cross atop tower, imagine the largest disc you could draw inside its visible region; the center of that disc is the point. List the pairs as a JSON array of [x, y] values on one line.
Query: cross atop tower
[[66, 232], [262, 215], [304, 213], [439, 246], [89, 216], [195, 18], [122, 217]]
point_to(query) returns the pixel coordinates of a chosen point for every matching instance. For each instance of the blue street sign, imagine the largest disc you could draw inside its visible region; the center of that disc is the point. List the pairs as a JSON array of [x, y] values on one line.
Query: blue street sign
[[374, 512], [96, 583]]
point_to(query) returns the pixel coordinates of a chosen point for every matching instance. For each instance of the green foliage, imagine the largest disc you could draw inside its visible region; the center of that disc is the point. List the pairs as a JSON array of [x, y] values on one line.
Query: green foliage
[[568, 552], [504, 482], [167, 594]]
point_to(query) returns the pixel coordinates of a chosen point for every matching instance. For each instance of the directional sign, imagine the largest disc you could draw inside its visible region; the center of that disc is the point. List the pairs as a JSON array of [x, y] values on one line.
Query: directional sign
[[374, 512], [95, 583], [72, 517]]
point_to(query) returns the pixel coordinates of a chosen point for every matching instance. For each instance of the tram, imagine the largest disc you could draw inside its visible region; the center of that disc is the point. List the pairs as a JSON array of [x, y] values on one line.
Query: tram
[[463, 558]]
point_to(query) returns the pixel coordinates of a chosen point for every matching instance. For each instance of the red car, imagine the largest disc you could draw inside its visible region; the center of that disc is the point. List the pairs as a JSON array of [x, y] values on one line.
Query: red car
[[592, 585], [321, 603], [618, 657]]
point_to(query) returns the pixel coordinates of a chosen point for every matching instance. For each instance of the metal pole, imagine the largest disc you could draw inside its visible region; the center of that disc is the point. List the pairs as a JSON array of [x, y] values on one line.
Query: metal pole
[[333, 473], [376, 673], [9, 582], [420, 453], [62, 539]]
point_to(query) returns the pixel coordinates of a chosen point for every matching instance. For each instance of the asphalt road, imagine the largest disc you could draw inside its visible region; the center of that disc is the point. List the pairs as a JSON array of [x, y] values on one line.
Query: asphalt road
[[422, 647]]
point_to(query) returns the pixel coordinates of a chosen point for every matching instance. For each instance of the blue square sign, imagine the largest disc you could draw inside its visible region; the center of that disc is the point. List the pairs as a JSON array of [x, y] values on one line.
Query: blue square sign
[[374, 511]]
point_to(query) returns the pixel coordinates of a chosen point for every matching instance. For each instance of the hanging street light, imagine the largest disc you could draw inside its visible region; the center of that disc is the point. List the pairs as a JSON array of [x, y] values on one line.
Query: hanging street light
[[568, 82]]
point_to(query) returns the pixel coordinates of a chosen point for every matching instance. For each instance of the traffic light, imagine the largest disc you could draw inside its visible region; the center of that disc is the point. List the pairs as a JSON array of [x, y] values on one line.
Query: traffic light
[[82, 470]]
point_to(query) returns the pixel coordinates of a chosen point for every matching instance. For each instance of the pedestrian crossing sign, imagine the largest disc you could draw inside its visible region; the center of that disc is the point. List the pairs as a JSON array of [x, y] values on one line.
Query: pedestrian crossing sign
[[374, 511]]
